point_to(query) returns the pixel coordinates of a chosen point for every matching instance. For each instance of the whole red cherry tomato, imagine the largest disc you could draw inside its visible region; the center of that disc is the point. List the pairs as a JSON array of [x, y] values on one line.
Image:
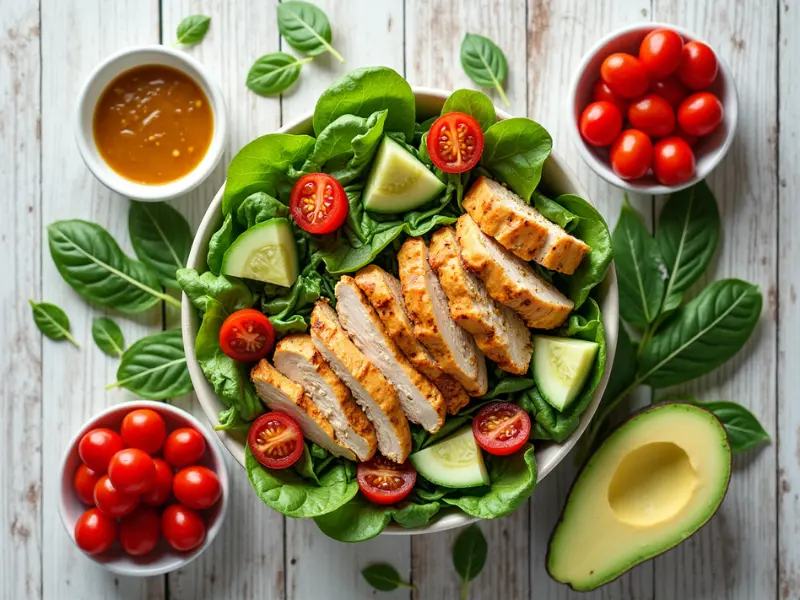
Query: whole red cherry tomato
[[111, 501], [625, 75], [631, 154], [698, 68], [145, 429], [140, 531], [601, 92], [182, 527], [673, 161], [196, 487], [84, 482], [600, 123], [700, 113], [671, 90], [95, 532], [161, 489], [97, 447], [660, 52], [184, 447], [132, 471], [652, 115]]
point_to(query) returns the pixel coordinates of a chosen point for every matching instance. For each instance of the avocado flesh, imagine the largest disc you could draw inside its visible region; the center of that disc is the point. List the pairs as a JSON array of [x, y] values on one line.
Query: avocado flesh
[[654, 482]]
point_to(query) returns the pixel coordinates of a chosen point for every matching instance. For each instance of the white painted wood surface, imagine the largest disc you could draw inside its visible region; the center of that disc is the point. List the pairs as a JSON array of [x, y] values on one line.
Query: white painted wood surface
[[751, 550]]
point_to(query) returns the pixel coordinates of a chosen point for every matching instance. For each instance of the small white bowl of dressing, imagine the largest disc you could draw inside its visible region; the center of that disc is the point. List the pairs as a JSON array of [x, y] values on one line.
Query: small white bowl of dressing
[[151, 123]]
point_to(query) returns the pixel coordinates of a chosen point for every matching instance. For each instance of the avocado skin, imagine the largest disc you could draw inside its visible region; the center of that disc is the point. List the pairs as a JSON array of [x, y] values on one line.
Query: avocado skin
[[586, 464]]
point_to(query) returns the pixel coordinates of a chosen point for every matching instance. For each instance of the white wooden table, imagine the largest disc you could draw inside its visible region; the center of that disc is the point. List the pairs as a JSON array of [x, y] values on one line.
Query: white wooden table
[[749, 551]]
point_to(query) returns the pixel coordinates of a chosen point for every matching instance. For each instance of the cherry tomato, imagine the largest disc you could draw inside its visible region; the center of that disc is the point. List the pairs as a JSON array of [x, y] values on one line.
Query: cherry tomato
[[246, 335], [624, 75], [84, 481], [698, 68], [671, 90], [660, 52], [140, 531], [652, 115], [196, 487], [385, 482], [501, 428], [95, 532], [159, 492], [631, 154], [455, 142], [673, 161], [600, 123], [97, 447], [601, 92], [275, 440], [144, 429], [700, 113], [182, 527], [184, 447], [111, 501], [318, 203], [132, 471]]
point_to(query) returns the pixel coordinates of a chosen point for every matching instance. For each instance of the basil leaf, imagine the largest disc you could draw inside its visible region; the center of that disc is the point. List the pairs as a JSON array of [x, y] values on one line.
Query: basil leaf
[[108, 336], [306, 28], [193, 29], [514, 152], [744, 430], [274, 73], [687, 233], [484, 62], [92, 263], [383, 577], [232, 293], [52, 321], [161, 238], [472, 103], [469, 555], [640, 270], [155, 367], [703, 334]]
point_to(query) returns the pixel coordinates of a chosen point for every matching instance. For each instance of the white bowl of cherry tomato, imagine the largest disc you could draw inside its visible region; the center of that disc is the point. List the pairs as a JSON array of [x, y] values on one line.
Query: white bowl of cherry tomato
[[144, 488], [653, 108]]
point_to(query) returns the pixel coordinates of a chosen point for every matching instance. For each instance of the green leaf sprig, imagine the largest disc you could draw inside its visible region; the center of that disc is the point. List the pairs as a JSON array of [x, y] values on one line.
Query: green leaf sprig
[[306, 28], [161, 239], [192, 30], [384, 577], [274, 73], [469, 556], [108, 336], [484, 63], [52, 322]]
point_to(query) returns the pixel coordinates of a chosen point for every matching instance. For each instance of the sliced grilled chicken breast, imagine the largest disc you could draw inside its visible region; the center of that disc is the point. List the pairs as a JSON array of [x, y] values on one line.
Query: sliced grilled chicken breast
[[422, 402], [297, 358], [453, 348], [510, 280], [286, 396], [369, 387], [384, 292], [522, 229], [499, 332]]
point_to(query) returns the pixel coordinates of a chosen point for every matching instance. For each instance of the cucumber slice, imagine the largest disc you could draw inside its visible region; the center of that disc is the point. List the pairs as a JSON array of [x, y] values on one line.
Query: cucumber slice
[[454, 462], [398, 182], [266, 252], [561, 366]]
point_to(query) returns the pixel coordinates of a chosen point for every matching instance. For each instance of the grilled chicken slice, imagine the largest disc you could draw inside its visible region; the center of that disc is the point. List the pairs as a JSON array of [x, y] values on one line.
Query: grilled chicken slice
[[286, 396], [522, 229], [510, 280], [422, 402], [453, 348], [499, 332], [384, 292], [369, 387], [297, 358]]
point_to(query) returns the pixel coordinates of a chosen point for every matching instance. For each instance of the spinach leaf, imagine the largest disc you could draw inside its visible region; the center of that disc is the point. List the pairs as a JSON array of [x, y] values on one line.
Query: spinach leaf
[[421, 129], [193, 29], [232, 293], [514, 152], [744, 430], [687, 233], [289, 309], [108, 336], [293, 496], [640, 270], [161, 238], [357, 521], [257, 208], [555, 212], [305, 466], [413, 514], [703, 334], [366, 91], [155, 367], [274, 73], [52, 322], [306, 28], [625, 366], [469, 556], [484, 62], [475, 104], [229, 419], [92, 263], [383, 577], [219, 243], [506, 386]]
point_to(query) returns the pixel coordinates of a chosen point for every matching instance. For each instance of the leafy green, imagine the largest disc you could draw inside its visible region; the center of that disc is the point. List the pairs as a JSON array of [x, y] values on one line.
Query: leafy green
[[219, 243], [274, 73], [555, 212], [414, 514], [306, 28], [470, 552], [484, 62], [161, 238], [383, 577], [108, 336], [193, 29], [258, 208], [744, 430], [52, 322], [506, 386], [475, 104], [229, 419], [230, 292], [514, 152]]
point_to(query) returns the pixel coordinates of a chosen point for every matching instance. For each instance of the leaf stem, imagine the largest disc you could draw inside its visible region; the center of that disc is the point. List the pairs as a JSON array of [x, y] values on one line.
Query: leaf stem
[[646, 337], [502, 93], [333, 51], [465, 589]]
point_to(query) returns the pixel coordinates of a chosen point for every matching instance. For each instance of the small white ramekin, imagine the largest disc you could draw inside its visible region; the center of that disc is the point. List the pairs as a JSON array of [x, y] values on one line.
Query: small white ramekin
[[98, 81]]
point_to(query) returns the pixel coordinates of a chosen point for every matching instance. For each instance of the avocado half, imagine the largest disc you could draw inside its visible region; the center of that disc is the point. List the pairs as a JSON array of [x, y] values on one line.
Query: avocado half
[[654, 481]]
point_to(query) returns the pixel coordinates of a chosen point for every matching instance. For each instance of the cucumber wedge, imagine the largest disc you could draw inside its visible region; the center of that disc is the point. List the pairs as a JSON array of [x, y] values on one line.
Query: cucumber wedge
[[454, 462], [561, 366], [266, 252], [398, 182]]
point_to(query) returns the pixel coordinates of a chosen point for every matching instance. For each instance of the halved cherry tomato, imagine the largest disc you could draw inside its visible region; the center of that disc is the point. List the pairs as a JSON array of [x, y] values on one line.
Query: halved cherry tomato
[[143, 428], [84, 481], [660, 52], [318, 203], [183, 528], [600, 123], [95, 532], [671, 90], [140, 531], [501, 428], [698, 68], [602, 93], [184, 446], [385, 482], [159, 492], [653, 115], [275, 440], [132, 471], [97, 447], [246, 335], [111, 501], [196, 487], [700, 113], [455, 142], [631, 154], [625, 75], [673, 161]]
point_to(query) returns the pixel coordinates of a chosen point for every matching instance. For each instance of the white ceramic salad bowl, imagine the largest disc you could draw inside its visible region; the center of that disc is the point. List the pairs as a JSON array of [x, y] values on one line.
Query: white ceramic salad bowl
[[556, 176]]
